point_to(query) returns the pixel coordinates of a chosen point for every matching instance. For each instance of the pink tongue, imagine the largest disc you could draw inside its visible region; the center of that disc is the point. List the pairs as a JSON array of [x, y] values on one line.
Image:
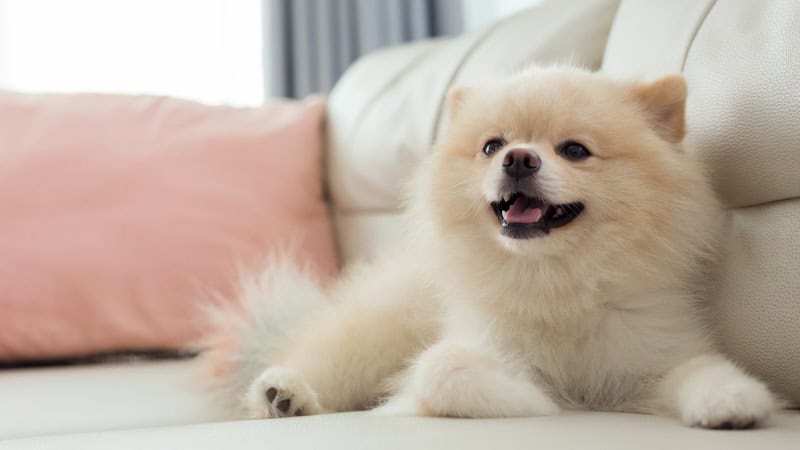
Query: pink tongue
[[522, 212]]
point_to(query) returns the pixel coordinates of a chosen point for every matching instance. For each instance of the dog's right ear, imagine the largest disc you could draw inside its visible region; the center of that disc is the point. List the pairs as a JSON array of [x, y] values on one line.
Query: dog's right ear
[[455, 98]]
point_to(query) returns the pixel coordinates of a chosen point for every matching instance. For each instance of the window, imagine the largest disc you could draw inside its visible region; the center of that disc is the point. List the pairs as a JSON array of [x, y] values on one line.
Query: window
[[206, 50]]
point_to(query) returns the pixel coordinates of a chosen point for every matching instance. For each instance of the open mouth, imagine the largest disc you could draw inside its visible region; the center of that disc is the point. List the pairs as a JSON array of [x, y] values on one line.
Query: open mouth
[[522, 216]]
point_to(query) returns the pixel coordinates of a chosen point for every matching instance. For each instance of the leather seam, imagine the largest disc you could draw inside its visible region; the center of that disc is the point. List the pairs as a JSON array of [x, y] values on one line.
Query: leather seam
[[695, 33], [766, 203], [456, 70]]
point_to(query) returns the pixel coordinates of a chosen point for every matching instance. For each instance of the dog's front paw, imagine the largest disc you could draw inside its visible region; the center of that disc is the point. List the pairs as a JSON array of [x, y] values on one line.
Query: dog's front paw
[[450, 379], [281, 392], [737, 403]]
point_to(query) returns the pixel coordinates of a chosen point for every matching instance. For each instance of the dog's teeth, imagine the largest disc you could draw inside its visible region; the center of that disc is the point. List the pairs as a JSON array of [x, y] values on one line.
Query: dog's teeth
[[504, 214]]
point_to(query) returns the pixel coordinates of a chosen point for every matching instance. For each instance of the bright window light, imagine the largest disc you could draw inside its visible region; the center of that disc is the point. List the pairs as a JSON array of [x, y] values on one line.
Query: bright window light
[[206, 50]]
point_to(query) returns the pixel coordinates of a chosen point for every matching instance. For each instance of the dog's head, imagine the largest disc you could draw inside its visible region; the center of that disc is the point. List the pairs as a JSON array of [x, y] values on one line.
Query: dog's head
[[556, 160]]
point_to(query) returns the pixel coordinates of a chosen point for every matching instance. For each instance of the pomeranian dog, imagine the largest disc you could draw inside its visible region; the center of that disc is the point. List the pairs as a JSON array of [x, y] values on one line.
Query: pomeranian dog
[[557, 239]]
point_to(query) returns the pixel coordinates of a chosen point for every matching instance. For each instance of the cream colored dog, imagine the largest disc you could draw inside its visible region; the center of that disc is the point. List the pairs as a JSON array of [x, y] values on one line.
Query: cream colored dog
[[556, 238]]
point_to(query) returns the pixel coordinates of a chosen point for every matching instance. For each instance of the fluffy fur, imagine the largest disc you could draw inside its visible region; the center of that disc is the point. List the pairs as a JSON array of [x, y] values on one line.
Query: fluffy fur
[[466, 320]]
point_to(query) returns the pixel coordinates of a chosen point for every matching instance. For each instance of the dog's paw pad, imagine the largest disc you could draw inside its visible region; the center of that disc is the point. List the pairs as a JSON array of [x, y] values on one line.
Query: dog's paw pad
[[281, 392], [279, 402], [284, 405], [735, 425]]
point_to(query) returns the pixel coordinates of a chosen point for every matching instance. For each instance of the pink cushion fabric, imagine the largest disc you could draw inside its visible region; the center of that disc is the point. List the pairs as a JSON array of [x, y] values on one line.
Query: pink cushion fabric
[[119, 214]]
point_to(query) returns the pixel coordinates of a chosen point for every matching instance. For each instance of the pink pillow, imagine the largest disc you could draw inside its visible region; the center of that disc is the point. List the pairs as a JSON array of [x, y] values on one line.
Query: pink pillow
[[119, 214]]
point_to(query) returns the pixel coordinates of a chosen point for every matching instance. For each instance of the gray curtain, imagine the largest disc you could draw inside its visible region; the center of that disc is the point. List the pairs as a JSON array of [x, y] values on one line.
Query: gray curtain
[[309, 43]]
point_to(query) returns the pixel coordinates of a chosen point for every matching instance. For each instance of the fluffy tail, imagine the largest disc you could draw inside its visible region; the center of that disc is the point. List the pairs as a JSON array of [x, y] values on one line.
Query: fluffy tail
[[243, 334]]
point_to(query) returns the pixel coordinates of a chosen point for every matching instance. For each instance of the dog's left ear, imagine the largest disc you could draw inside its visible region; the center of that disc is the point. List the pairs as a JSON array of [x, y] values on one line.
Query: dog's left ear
[[455, 98], [664, 100]]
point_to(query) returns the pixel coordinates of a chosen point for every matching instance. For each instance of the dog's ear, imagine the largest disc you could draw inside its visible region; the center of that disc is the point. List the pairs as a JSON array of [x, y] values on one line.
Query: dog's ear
[[455, 98], [664, 101]]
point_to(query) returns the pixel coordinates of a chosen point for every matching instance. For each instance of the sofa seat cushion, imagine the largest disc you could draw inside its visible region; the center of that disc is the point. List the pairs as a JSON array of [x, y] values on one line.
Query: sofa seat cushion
[[578, 431], [51, 400]]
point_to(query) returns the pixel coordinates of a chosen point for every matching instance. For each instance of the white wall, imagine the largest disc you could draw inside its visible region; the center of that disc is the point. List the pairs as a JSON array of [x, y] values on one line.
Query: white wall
[[478, 13]]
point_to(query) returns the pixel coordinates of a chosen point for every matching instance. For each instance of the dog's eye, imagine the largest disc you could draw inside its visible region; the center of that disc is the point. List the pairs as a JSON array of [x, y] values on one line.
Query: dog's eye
[[574, 151], [492, 146]]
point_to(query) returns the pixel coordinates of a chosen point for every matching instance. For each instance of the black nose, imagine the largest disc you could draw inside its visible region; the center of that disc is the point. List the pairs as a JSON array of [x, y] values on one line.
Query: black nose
[[521, 163]]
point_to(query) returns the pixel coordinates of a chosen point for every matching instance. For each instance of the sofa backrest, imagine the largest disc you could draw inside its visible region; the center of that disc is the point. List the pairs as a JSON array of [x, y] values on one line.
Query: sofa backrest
[[742, 63]]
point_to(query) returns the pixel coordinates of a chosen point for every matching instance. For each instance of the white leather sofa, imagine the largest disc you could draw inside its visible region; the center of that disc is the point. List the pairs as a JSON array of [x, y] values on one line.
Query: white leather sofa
[[742, 62]]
